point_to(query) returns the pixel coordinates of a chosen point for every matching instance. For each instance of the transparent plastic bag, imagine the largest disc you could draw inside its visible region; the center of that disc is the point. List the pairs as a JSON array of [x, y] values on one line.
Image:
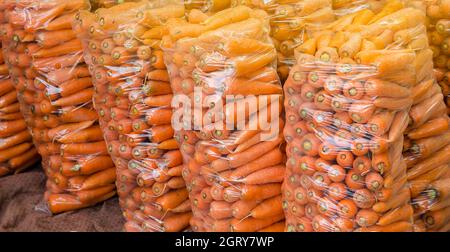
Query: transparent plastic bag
[[427, 140], [17, 151], [223, 72], [347, 103], [133, 96], [55, 90]]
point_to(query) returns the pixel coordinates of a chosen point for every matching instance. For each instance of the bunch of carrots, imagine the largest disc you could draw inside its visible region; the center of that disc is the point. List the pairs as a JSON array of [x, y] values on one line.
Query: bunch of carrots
[[133, 99], [347, 104], [427, 140], [17, 152], [288, 20], [438, 14], [55, 91], [233, 176]]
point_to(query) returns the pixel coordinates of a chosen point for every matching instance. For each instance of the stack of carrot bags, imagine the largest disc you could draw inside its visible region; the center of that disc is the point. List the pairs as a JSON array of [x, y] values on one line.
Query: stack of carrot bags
[[133, 97], [438, 13], [347, 104], [232, 173], [55, 91], [16, 148]]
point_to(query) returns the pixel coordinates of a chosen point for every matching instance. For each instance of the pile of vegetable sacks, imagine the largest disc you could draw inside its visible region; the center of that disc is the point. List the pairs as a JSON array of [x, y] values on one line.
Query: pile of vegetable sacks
[[223, 73], [347, 104], [133, 97], [55, 91], [16, 148]]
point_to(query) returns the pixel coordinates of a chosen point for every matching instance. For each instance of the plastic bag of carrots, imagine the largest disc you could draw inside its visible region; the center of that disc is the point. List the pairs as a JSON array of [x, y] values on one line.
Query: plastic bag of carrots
[[347, 107], [55, 91], [427, 140], [133, 96], [438, 14], [223, 75], [17, 151]]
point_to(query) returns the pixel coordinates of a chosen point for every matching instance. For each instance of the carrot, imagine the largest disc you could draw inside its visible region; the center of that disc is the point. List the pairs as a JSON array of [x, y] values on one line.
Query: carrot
[[420, 183], [158, 116], [401, 226], [8, 99], [403, 213], [177, 223], [82, 135], [259, 192], [75, 85], [267, 175], [60, 23], [172, 199], [393, 103], [220, 210], [14, 139], [23, 161], [398, 125], [427, 146], [9, 128], [366, 218], [426, 165], [66, 74], [89, 165], [93, 148], [63, 202], [48, 39], [376, 87], [88, 196], [397, 200], [438, 189], [277, 227], [252, 224], [80, 97], [430, 128], [427, 109], [437, 218]]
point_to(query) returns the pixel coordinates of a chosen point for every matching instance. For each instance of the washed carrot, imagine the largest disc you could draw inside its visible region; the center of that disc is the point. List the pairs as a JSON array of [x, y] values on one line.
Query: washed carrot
[[82, 135], [172, 199], [397, 200], [424, 166], [366, 218], [93, 148], [401, 226], [403, 213], [437, 218], [88, 196]]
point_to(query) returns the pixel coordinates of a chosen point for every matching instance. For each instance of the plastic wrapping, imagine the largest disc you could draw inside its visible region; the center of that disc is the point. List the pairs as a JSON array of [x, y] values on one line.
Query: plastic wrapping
[[347, 104], [427, 142], [55, 90], [16, 148], [133, 96], [227, 107]]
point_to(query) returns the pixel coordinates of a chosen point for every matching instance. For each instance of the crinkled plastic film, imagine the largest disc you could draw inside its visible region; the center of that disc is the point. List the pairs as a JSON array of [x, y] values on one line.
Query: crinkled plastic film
[[233, 163], [55, 91], [347, 104], [132, 97], [427, 140], [17, 152]]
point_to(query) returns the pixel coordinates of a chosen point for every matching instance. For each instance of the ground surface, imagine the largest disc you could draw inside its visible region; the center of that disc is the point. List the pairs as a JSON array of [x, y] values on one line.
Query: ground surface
[[22, 208]]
